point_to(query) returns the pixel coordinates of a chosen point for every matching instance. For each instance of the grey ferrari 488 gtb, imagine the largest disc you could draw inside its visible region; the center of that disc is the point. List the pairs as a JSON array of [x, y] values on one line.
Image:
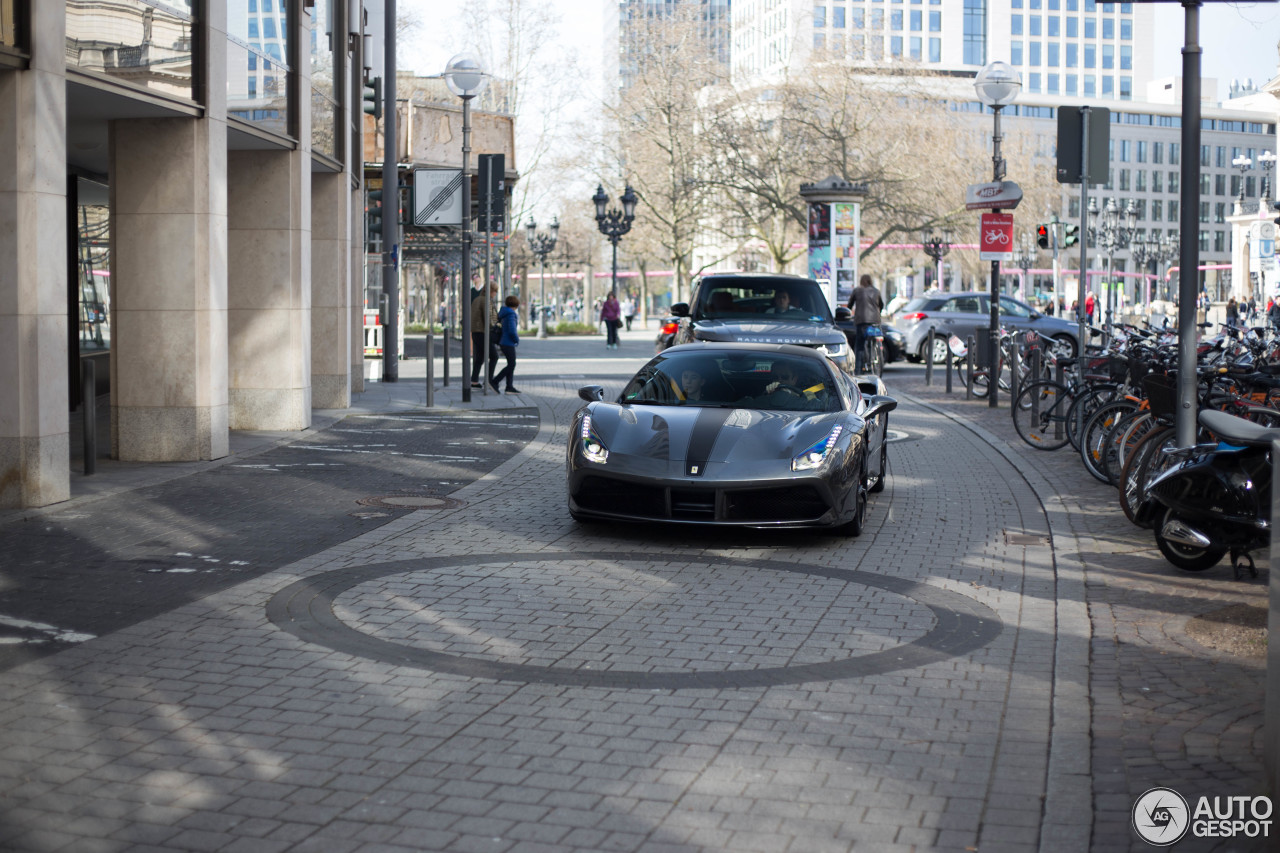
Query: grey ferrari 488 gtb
[[752, 435]]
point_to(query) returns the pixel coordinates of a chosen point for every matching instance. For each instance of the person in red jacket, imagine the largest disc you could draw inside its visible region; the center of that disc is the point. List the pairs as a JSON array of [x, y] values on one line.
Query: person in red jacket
[[611, 314]]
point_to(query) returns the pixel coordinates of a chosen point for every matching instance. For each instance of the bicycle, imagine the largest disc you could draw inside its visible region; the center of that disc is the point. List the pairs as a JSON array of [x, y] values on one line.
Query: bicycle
[[872, 346]]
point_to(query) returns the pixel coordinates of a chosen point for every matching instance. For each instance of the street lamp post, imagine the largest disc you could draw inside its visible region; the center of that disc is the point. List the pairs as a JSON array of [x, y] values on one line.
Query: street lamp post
[[614, 223], [542, 245], [936, 247], [1165, 250], [1266, 160], [997, 86], [465, 78], [1242, 163], [1110, 231], [1024, 257]]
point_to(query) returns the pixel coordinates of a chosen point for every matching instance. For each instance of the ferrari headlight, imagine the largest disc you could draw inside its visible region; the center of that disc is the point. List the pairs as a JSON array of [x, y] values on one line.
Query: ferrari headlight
[[593, 448], [817, 454]]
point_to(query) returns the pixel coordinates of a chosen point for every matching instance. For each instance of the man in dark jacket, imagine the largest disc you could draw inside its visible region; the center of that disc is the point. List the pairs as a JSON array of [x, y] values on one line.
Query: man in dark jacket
[[867, 304]]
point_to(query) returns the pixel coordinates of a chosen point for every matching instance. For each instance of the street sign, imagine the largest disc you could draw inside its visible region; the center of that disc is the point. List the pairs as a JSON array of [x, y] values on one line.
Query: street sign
[[995, 237], [1000, 195], [437, 197]]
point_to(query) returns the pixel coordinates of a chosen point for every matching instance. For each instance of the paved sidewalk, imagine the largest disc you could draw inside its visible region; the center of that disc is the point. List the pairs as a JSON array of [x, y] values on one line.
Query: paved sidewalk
[[997, 664]]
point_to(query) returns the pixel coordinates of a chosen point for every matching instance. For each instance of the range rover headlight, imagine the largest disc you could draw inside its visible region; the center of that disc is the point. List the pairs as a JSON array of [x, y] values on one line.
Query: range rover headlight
[[833, 350], [593, 449], [817, 454]]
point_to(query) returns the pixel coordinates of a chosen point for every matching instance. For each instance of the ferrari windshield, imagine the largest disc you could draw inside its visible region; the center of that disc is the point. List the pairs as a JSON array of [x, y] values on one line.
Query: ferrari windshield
[[768, 299], [746, 380]]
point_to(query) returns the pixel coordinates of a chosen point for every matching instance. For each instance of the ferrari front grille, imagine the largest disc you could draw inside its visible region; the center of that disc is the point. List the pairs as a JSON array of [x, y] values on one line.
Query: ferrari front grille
[[602, 494], [789, 503]]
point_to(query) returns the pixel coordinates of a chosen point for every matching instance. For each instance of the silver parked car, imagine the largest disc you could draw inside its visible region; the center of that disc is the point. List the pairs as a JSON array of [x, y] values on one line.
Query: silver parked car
[[962, 313]]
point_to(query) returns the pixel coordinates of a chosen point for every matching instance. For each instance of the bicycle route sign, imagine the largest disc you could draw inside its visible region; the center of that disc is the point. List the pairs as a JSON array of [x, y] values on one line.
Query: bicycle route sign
[[995, 241]]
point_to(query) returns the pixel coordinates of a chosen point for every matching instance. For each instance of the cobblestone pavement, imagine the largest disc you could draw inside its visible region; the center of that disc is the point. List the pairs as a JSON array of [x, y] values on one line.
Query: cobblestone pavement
[[1166, 710], [484, 674]]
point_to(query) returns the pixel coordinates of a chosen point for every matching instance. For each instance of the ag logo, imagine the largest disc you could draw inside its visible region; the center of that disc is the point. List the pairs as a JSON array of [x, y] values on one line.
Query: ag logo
[[1161, 816]]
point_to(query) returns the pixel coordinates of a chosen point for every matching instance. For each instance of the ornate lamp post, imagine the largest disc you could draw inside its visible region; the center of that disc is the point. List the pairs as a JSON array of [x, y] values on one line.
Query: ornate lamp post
[[1110, 231], [997, 85], [542, 245], [1024, 257], [466, 79], [614, 223], [936, 247], [1242, 163], [1266, 160]]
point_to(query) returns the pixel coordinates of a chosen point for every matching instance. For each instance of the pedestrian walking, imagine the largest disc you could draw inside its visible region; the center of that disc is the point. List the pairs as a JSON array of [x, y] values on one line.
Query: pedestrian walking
[[509, 319], [1233, 312], [628, 311], [611, 314], [1273, 314], [482, 320], [1089, 304]]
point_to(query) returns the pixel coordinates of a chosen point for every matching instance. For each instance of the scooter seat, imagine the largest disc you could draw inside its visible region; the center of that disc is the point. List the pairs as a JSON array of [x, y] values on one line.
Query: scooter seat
[[1235, 430]]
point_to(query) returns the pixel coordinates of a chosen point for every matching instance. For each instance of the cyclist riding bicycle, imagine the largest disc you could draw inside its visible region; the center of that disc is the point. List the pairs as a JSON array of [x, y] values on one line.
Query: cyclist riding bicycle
[[867, 304]]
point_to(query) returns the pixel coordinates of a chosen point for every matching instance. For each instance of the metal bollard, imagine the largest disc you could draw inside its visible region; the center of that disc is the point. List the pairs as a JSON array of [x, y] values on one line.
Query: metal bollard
[[89, 409], [1015, 368], [431, 369], [928, 359], [950, 364], [969, 356], [445, 381]]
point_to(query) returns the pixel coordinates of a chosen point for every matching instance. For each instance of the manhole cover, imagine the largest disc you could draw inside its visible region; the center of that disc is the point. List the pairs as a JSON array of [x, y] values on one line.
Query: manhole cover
[[1025, 539], [411, 502]]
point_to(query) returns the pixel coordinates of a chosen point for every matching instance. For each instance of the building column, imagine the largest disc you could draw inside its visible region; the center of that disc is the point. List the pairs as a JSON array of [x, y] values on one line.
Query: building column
[[169, 290], [269, 289], [35, 458], [330, 290]]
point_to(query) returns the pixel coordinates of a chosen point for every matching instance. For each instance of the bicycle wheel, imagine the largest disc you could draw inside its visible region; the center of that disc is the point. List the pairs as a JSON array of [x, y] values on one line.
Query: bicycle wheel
[[1086, 402], [1141, 468], [1040, 415], [875, 356], [1093, 437], [1121, 439]]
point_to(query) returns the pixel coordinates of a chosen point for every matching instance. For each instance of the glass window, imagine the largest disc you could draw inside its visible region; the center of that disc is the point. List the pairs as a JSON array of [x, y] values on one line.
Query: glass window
[[266, 104], [1173, 181], [1034, 22], [1126, 149], [1219, 212], [1206, 184], [1220, 156], [1173, 211], [1108, 28], [1073, 55], [819, 41], [1235, 184], [1015, 25], [1175, 153], [1054, 48], [1157, 152], [857, 17], [1034, 82], [1073, 27], [1072, 84], [895, 23], [1206, 155], [877, 19], [1108, 56], [819, 16], [1090, 86], [1126, 57], [935, 50], [1157, 182], [1033, 53], [1219, 241], [1108, 86], [916, 48], [1124, 180], [935, 25], [1091, 28], [1140, 180], [1052, 84], [1204, 211], [975, 32], [143, 44], [1055, 29], [1015, 53], [895, 46], [1090, 56], [1204, 241], [1126, 29], [837, 17], [1157, 210], [1141, 151], [917, 21]]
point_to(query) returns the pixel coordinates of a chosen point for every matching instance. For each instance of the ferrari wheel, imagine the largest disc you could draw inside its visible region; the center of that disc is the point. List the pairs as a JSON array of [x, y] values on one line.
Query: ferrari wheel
[[854, 526]]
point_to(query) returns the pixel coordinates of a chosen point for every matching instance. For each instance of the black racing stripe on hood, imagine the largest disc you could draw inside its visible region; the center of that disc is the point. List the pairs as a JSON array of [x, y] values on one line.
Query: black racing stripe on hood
[[702, 438]]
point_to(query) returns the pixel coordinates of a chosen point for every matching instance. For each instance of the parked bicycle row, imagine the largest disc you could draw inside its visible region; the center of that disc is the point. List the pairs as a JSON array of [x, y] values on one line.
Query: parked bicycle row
[[1116, 408]]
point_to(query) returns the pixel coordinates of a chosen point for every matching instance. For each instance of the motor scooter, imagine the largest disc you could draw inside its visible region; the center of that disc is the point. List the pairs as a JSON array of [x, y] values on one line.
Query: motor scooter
[[1216, 498]]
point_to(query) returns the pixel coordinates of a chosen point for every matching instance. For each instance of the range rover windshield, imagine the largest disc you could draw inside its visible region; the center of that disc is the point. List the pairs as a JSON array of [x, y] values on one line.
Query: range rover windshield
[[792, 300]]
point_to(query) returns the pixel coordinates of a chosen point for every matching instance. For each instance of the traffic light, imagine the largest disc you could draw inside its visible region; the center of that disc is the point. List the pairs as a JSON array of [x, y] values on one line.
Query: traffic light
[[1042, 236], [1071, 235], [373, 218], [372, 98]]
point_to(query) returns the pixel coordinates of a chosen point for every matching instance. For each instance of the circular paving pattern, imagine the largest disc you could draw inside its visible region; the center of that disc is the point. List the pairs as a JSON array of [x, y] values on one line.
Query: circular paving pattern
[[600, 619], [412, 502]]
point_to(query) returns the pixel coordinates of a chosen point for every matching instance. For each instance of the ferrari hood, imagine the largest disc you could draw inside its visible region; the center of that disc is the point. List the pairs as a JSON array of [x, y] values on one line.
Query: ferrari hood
[[770, 332], [744, 437]]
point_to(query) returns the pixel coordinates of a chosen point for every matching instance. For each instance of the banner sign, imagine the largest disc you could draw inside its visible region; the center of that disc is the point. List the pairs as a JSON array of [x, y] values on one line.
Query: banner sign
[[995, 237]]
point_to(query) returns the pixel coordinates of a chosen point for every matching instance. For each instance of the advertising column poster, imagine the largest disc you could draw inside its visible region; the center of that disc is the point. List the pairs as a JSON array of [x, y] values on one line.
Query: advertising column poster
[[820, 241], [846, 229]]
